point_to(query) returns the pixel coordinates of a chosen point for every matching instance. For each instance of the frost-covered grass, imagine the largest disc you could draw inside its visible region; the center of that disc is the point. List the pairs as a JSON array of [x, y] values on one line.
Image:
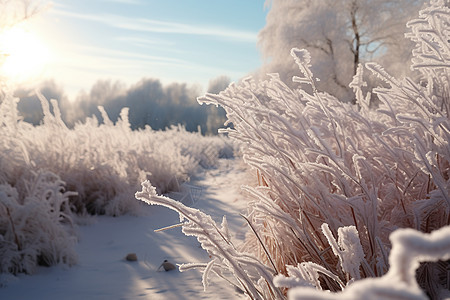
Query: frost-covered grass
[[50, 173], [336, 179], [35, 227]]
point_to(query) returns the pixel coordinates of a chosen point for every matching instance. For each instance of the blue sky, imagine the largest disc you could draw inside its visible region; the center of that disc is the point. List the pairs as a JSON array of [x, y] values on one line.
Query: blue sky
[[189, 41]]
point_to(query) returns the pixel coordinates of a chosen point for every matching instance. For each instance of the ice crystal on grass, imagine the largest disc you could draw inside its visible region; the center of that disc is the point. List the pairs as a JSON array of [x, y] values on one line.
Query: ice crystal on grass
[[363, 172], [348, 248], [248, 274], [51, 174], [104, 163], [36, 228], [409, 248]]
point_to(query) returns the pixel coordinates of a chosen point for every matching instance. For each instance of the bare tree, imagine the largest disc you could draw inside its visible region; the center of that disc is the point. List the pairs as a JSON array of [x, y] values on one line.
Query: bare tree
[[13, 12], [340, 34]]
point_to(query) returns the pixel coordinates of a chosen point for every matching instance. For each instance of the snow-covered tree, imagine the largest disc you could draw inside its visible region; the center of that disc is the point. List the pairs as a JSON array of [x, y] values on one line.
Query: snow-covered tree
[[339, 34]]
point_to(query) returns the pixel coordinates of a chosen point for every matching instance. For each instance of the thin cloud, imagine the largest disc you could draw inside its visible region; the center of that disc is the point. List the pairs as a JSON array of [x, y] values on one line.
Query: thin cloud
[[129, 55], [145, 41], [134, 2], [150, 43], [103, 60], [148, 25]]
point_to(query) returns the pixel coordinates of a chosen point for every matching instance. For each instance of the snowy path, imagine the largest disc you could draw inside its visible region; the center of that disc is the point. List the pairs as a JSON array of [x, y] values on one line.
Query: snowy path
[[103, 273]]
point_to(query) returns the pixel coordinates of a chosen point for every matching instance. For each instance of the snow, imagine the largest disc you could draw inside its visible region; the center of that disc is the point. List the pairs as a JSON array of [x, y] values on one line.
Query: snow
[[317, 160], [102, 271]]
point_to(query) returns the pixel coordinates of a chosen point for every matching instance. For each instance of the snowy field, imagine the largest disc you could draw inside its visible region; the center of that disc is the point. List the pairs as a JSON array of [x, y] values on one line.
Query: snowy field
[[102, 271], [344, 201]]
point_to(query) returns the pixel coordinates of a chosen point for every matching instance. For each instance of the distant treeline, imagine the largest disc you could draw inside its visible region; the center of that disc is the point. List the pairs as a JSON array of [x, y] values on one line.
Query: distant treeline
[[149, 101]]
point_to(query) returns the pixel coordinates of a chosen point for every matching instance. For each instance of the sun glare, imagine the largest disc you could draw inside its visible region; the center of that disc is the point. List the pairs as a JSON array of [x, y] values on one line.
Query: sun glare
[[23, 55]]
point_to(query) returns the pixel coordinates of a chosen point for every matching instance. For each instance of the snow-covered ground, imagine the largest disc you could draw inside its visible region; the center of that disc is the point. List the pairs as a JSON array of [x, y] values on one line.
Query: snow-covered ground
[[102, 271]]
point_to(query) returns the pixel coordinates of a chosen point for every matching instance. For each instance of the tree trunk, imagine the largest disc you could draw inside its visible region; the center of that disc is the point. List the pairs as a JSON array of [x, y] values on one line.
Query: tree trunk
[[356, 40]]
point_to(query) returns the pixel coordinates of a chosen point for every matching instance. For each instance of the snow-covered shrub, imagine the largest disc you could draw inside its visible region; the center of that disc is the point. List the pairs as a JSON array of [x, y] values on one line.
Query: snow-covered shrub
[[104, 163], [324, 161], [337, 179], [409, 249], [36, 225], [101, 164]]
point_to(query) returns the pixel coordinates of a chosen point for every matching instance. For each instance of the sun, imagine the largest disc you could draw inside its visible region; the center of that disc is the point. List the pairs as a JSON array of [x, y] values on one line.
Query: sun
[[22, 55]]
